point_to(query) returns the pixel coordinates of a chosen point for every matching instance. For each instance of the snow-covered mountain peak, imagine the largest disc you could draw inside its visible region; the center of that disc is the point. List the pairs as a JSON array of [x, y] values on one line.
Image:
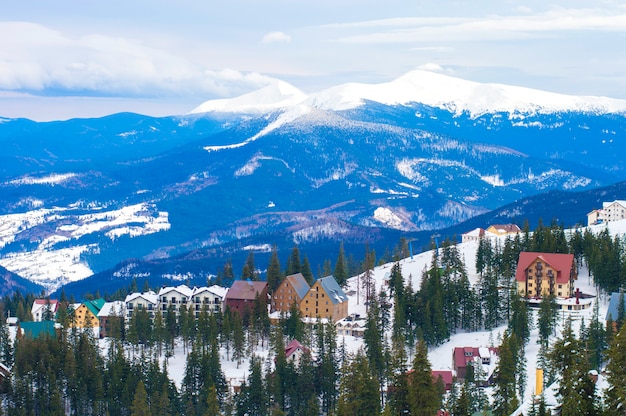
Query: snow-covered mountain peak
[[272, 97], [458, 95], [418, 86]]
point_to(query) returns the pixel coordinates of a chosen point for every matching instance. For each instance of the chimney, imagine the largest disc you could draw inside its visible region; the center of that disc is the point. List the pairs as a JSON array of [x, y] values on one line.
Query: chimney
[[577, 296]]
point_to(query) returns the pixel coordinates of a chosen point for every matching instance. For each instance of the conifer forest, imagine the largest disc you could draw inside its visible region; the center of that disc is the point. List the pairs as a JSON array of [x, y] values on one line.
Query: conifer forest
[[73, 372]]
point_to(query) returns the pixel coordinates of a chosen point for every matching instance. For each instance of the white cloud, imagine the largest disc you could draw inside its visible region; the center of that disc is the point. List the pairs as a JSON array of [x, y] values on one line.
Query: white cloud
[[39, 59], [276, 37], [433, 49], [492, 27]]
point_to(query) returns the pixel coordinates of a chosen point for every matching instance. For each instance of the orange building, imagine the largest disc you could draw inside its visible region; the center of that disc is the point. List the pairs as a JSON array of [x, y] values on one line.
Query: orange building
[[543, 274], [292, 290], [325, 300]]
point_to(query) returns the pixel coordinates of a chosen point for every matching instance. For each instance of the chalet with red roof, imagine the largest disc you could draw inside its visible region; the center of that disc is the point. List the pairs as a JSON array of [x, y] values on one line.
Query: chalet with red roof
[[294, 352], [544, 274], [44, 309], [446, 377], [463, 357], [242, 295]]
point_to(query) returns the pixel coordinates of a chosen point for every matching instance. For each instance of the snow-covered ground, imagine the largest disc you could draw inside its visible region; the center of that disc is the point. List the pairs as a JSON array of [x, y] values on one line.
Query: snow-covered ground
[[440, 357], [53, 262]]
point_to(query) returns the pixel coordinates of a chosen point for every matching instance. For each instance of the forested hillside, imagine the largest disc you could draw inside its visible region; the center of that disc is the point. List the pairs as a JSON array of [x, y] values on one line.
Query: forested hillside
[[170, 366]]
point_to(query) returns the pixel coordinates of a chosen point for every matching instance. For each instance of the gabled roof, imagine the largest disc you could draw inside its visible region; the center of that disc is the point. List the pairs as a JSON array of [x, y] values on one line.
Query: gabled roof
[[333, 290], [218, 291], [182, 289], [476, 232], [149, 297], [40, 304], [560, 262], [617, 201], [505, 228], [94, 306], [293, 346], [446, 376], [37, 329], [461, 358], [245, 289], [112, 308], [298, 283]]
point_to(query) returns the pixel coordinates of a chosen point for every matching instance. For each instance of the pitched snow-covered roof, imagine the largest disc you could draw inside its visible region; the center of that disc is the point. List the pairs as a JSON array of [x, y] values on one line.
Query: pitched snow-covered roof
[[504, 228], [219, 290], [41, 304], [149, 297], [183, 290], [476, 232], [112, 308], [617, 201], [216, 290], [333, 290]]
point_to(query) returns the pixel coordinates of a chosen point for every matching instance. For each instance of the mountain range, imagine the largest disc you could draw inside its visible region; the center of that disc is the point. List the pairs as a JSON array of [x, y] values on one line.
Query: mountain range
[[355, 164]]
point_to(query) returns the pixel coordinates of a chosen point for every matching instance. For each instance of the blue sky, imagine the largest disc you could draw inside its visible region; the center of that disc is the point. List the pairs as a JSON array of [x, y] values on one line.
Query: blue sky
[[82, 58]]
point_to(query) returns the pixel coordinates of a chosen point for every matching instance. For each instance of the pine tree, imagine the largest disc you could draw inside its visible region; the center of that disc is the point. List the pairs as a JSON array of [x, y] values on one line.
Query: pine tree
[[505, 397], [249, 270], [615, 395], [547, 318], [274, 275], [212, 405], [255, 392], [293, 263], [519, 323], [358, 389], [576, 393], [341, 267], [140, 402], [239, 344], [306, 270], [374, 345], [423, 396]]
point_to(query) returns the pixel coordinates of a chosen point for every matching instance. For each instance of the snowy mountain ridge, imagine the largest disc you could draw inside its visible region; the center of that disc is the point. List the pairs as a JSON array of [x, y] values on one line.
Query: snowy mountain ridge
[[429, 88]]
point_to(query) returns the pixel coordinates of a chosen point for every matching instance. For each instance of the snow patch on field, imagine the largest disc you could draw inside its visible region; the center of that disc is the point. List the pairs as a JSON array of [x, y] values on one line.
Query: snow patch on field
[[53, 179], [51, 262]]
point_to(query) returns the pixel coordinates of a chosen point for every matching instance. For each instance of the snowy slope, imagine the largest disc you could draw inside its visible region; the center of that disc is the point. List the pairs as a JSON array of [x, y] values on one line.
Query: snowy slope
[[269, 98], [440, 357], [429, 88]]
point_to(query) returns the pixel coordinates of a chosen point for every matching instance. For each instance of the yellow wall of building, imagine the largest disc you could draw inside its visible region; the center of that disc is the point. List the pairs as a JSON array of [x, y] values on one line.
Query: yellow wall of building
[[80, 318], [561, 290]]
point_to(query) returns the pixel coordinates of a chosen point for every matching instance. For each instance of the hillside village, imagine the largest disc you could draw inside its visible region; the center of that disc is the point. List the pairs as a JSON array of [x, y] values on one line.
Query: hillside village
[[460, 356]]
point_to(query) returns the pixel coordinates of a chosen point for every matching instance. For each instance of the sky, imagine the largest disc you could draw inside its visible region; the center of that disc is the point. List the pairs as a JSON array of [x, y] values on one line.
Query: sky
[[87, 58]]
